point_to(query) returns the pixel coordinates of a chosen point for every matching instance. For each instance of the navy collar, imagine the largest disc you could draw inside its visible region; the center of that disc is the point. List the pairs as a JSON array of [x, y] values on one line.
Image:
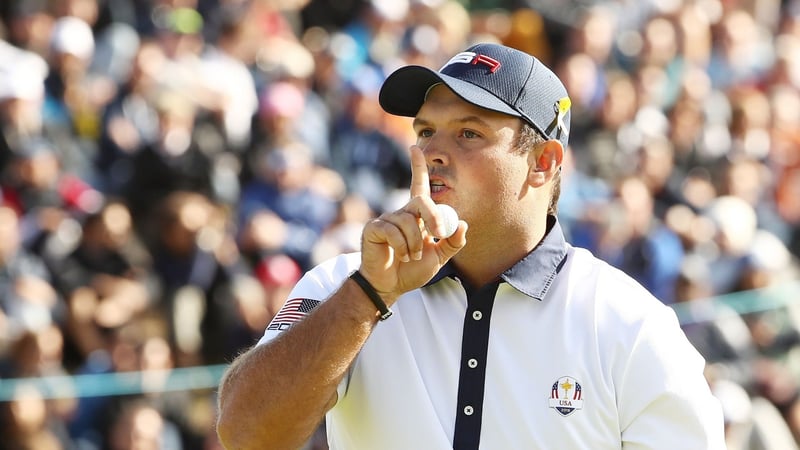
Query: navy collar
[[533, 274]]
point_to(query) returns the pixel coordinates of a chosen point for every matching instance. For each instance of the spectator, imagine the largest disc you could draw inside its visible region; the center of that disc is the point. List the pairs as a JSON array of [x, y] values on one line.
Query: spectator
[[286, 113], [22, 75], [735, 227], [284, 209], [106, 279], [290, 108], [652, 253], [751, 422], [73, 97], [48, 199], [27, 424], [173, 161], [138, 345], [28, 300], [195, 263], [224, 61], [371, 162], [138, 425]]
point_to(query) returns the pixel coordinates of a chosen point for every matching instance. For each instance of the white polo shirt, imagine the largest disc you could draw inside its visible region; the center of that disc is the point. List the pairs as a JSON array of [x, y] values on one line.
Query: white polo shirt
[[565, 352]]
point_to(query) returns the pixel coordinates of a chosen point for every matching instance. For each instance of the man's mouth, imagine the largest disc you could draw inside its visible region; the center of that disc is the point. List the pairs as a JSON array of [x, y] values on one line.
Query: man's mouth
[[437, 186]]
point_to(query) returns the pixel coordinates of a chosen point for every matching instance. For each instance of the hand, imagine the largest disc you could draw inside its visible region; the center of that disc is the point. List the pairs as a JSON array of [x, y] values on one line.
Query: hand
[[398, 249]]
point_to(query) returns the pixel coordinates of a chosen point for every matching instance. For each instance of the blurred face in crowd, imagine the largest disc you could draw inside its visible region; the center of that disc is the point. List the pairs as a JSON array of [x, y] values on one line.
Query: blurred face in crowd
[[86, 10], [290, 167], [117, 223], [148, 64], [111, 228], [139, 428], [656, 164], [745, 179], [9, 234], [31, 30], [28, 409], [366, 111], [661, 43], [70, 66], [637, 202], [619, 106], [39, 171], [186, 215], [176, 119]]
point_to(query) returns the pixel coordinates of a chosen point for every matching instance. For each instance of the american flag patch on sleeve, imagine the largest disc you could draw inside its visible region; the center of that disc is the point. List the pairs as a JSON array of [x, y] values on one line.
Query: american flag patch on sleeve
[[292, 311]]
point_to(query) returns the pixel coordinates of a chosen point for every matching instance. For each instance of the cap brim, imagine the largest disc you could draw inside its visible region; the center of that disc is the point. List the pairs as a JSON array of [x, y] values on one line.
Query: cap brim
[[403, 92]]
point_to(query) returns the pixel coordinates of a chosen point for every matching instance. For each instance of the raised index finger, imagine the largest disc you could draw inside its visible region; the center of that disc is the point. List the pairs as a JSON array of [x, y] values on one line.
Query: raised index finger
[[420, 183]]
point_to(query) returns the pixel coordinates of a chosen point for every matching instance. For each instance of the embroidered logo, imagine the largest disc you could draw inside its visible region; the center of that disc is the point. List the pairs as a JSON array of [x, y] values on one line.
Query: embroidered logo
[[566, 396], [474, 59]]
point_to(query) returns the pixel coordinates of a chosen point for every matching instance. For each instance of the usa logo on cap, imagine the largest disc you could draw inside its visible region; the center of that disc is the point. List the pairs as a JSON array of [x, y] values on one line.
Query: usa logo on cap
[[566, 396], [474, 59]]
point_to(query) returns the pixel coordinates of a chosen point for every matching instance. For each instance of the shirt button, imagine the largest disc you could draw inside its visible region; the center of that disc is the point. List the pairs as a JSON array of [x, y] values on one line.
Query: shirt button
[[468, 410], [477, 315], [472, 363]]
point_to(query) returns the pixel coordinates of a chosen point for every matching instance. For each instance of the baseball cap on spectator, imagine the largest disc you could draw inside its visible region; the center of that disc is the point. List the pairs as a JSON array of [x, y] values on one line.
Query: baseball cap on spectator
[[73, 36], [491, 76]]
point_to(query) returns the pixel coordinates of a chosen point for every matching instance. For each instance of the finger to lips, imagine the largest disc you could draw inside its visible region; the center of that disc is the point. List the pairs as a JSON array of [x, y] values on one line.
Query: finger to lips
[[421, 202], [420, 183]]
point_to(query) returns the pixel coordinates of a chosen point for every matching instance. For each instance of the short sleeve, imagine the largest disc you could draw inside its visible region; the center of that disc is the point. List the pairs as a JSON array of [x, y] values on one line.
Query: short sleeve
[[664, 399]]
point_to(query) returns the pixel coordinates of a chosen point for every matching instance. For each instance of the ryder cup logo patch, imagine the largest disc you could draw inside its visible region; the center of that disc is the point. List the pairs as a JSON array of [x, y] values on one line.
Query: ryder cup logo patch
[[566, 396], [474, 59]]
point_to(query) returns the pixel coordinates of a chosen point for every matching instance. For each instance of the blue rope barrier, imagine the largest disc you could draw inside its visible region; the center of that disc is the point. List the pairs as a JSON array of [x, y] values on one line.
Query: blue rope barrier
[[117, 383], [741, 303]]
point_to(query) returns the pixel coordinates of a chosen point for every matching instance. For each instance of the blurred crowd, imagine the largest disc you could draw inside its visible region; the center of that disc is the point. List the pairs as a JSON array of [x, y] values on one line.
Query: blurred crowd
[[169, 168]]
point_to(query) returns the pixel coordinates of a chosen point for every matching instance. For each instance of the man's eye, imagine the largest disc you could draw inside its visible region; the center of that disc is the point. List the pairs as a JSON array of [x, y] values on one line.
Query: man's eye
[[469, 134], [425, 133]]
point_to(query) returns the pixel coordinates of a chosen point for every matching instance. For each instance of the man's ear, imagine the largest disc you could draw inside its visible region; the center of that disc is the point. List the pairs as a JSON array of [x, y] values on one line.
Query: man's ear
[[545, 161]]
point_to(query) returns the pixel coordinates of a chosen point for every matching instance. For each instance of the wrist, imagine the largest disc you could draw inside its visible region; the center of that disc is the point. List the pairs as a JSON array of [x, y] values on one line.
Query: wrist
[[372, 294]]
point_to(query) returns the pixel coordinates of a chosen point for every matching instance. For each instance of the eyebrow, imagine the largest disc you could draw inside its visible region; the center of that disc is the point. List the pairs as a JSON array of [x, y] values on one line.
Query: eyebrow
[[472, 119]]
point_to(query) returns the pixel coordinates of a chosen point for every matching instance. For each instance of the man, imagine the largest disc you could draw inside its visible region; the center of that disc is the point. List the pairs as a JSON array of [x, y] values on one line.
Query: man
[[503, 336]]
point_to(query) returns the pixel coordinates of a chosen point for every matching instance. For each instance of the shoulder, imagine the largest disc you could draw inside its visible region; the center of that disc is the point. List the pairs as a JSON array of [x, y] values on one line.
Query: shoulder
[[330, 273], [583, 265], [638, 334], [313, 288], [612, 294]]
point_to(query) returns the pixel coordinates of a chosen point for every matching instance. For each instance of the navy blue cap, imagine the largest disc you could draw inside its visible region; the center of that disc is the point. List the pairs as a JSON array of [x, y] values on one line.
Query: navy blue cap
[[491, 76]]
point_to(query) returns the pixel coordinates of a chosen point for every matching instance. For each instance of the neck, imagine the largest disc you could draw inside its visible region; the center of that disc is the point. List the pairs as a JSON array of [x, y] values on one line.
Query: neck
[[489, 254]]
